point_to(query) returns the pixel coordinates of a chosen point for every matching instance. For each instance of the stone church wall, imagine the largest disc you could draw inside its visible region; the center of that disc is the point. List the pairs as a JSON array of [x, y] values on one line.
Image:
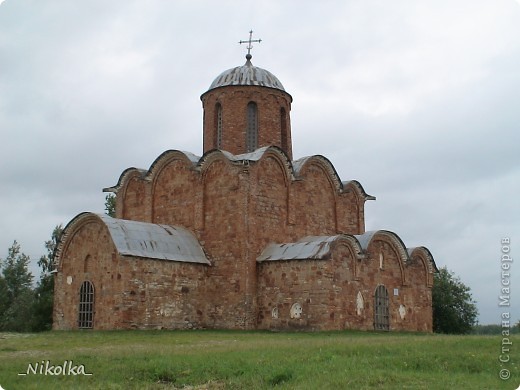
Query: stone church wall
[[308, 294], [230, 293], [409, 293], [338, 293], [235, 209], [313, 199], [129, 292], [174, 190], [161, 294]]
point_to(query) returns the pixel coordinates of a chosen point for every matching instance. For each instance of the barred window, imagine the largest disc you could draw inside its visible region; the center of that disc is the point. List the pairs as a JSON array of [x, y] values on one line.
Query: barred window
[[252, 127], [283, 129], [381, 309], [218, 126], [86, 306]]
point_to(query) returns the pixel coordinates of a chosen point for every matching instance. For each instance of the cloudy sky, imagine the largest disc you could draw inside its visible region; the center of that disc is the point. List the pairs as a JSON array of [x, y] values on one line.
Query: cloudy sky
[[419, 101]]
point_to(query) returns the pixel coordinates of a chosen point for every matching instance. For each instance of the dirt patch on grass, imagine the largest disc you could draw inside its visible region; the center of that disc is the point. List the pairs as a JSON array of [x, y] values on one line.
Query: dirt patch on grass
[[211, 385]]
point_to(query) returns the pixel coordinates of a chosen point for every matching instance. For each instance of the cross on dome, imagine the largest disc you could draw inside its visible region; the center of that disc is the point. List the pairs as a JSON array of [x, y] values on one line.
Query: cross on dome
[[249, 45]]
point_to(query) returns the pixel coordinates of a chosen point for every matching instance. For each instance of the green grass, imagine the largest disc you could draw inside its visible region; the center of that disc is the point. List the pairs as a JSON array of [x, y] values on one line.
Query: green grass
[[258, 360]]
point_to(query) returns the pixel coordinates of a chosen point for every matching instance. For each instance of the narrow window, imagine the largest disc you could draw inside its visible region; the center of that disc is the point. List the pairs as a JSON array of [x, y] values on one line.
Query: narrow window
[[252, 127], [218, 126], [381, 309], [86, 306], [283, 129]]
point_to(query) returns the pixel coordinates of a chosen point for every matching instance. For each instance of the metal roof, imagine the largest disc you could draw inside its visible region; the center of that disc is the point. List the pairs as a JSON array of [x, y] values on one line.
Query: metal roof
[[165, 242], [251, 156], [312, 247], [247, 74]]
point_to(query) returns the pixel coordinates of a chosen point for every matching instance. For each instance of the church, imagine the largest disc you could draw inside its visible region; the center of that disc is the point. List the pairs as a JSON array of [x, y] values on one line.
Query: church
[[242, 237]]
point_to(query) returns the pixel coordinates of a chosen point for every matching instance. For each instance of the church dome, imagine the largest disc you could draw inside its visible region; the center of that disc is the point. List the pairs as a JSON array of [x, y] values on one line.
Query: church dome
[[247, 74]]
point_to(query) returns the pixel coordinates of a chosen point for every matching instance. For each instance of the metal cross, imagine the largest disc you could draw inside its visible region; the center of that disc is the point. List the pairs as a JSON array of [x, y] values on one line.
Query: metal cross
[[249, 46]]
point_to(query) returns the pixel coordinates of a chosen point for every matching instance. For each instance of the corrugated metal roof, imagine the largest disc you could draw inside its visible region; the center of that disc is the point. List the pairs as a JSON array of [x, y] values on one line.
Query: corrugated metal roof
[[192, 157], [141, 239], [298, 164], [312, 247], [365, 238], [251, 156], [247, 75]]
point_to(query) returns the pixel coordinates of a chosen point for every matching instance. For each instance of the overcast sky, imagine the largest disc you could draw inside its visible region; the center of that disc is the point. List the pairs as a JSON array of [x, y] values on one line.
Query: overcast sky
[[417, 100]]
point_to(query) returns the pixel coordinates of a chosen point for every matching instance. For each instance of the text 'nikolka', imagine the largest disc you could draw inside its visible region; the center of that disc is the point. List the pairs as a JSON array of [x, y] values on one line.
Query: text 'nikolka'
[[45, 367]]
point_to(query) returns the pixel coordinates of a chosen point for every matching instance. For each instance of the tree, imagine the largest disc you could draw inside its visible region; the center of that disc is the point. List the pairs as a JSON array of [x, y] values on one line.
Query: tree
[[15, 291], [44, 292], [454, 310], [110, 205]]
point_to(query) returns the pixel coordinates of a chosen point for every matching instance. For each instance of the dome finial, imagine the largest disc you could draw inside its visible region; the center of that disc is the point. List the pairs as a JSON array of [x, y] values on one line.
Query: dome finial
[[249, 45]]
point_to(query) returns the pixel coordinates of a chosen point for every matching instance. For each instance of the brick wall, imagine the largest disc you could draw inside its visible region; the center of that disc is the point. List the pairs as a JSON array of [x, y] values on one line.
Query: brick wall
[[235, 209], [128, 292], [234, 101], [327, 291]]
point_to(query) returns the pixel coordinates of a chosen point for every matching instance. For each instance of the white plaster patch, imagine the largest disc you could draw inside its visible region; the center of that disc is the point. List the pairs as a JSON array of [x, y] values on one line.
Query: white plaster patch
[[274, 312], [296, 310], [402, 311], [360, 303], [69, 280]]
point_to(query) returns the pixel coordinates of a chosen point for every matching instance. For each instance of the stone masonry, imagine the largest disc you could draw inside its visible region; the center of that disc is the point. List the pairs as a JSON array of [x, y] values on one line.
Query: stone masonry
[[238, 238]]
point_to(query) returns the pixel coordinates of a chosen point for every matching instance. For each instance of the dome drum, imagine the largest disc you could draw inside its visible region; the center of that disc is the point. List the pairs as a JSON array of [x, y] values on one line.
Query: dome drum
[[246, 108]]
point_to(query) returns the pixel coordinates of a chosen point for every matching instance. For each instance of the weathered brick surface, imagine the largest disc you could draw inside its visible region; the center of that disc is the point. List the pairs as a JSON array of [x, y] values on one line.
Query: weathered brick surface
[[234, 101], [129, 292], [327, 291], [235, 209]]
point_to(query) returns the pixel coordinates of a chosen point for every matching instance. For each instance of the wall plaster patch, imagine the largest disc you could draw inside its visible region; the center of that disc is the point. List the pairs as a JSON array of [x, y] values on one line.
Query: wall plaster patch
[[296, 310], [402, 311]]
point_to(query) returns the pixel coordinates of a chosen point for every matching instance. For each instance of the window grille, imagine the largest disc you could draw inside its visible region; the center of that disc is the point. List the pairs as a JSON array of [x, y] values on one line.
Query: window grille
[[252, 127], [218, 125], [381, 312], [283, 129], [86, 306]]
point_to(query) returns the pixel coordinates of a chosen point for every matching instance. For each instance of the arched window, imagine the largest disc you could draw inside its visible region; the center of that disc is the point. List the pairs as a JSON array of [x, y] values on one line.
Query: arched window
[[252, 127], [283, 129], [218, 126], [86, 306], [381, 311]]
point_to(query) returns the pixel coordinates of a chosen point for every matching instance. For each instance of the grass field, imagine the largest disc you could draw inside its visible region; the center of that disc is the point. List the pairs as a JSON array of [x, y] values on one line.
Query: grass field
[[255, 360]]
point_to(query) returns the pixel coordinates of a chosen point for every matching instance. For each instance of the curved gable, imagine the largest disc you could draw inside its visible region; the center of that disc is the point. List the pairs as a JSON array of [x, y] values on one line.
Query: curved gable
[[125, 177], [357, 188], [423, 255], [368, 238], [301, 165], [167, 157]]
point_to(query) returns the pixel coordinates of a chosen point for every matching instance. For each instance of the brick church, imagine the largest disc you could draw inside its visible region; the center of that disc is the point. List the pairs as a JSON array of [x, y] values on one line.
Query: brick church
[[243, 237]]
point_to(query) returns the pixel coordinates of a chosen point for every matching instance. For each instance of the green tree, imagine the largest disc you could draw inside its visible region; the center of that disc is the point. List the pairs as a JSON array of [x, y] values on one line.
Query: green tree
[[110, 205], [44, 292], [454, 310], [15, 291]]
